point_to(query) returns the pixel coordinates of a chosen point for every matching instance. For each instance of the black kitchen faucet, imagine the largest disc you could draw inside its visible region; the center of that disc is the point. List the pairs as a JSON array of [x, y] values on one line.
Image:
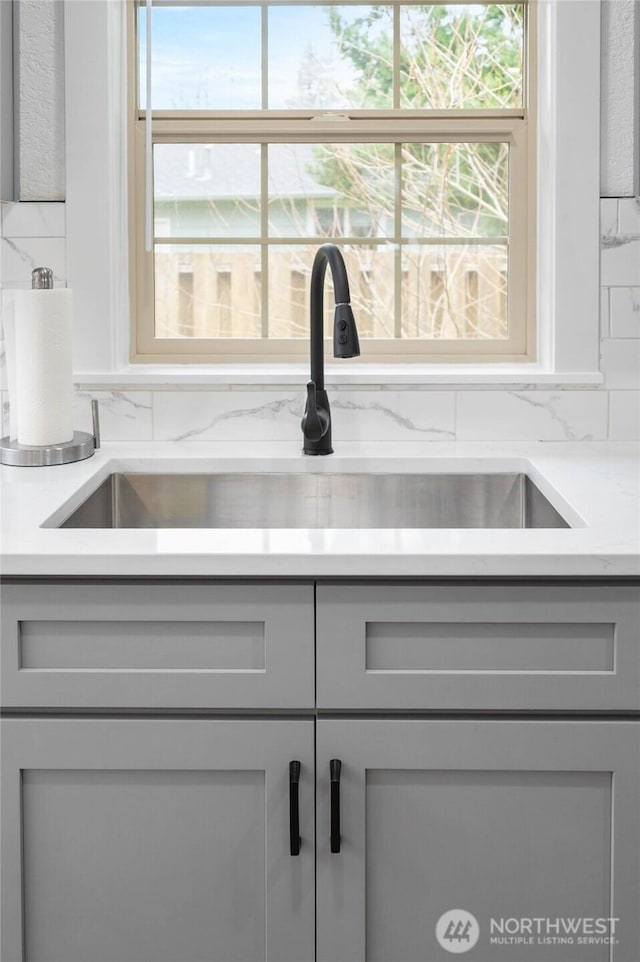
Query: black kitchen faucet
[[316, 423]]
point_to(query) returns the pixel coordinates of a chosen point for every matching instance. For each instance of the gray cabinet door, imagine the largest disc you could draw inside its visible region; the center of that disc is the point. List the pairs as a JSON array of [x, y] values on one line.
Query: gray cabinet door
[[481, 646], [155, 841], [510, 821], [204, 646]]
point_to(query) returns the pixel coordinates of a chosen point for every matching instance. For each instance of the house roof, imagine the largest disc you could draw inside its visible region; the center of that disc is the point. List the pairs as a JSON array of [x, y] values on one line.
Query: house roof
[[214, 171]]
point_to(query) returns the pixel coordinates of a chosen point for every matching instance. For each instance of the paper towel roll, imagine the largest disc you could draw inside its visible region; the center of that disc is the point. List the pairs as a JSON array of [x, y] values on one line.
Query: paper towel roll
[[43, 366], [8, 329]]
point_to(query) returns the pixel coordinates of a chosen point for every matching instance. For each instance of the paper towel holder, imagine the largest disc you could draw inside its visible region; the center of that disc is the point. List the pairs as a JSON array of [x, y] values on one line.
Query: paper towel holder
[[82, 445]]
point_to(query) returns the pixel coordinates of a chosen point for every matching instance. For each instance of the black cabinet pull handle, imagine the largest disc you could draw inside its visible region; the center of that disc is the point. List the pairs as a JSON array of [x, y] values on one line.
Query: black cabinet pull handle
[[294, 808], [335, 767]]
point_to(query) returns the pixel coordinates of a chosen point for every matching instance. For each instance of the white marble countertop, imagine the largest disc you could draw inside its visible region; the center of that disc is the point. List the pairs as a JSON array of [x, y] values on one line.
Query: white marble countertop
[[596, 486]]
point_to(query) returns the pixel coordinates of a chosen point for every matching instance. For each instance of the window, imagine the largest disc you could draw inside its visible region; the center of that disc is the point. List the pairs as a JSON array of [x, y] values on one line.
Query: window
[[400, 131]]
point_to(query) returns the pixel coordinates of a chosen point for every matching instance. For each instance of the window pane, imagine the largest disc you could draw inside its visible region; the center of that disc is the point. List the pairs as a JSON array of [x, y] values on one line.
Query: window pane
[[207, 190], [454, 292], [455, 190], [371, 282], [451, 56], [204, 58], [327, 66], [331, 190], [289, 276], [207, 290], [461, 56]]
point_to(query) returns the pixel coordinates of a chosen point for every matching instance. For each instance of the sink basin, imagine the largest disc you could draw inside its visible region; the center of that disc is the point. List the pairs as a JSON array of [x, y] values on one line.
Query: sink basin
[[316, 501]]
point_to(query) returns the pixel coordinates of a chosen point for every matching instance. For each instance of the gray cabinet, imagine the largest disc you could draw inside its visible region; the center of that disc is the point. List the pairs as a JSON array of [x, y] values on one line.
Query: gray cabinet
[[155, 841], [123, 646], [489, 647], [507, 820], [167, 839]]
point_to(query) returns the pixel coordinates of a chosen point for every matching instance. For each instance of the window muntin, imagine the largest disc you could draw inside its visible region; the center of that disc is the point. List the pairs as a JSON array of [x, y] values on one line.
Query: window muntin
[[442, 205]]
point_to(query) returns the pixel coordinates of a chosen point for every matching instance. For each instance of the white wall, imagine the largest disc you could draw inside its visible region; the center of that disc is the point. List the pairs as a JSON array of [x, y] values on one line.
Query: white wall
[[33, 234]]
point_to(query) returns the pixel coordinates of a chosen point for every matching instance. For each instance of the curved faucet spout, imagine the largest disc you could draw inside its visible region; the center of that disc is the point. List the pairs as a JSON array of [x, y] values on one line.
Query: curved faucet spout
[[327, 255], [316, 423]]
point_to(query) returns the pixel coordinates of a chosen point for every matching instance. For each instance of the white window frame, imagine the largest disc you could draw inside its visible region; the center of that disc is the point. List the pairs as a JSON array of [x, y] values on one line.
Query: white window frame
[[568, 150]]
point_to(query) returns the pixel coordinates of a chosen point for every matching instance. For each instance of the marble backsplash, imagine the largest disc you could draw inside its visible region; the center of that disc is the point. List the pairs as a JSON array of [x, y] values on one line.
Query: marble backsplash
[[357, 415], [34, 233]]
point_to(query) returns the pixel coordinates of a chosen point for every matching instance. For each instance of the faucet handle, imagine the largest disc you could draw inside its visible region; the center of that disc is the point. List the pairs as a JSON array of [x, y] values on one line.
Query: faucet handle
[[315, 422]]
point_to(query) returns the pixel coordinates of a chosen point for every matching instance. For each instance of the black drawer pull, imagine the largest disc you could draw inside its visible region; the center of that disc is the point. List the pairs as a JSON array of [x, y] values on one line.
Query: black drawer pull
[[335, 767], [294, 808]]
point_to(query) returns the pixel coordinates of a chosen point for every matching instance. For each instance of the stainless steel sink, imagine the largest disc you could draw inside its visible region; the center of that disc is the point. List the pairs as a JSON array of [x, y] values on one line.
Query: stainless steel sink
[[316, 501]]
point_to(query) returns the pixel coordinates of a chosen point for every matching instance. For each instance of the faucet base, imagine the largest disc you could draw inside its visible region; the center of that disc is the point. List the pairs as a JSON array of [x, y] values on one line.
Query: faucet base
[[320, 408], [327, 451]]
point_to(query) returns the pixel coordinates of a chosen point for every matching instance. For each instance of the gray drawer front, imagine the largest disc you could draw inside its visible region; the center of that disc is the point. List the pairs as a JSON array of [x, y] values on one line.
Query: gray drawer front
[[157, 646], [475, 647]]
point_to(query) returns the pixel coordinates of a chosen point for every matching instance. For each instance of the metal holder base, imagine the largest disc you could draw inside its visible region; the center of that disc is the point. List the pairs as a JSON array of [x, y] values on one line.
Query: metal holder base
[[24, 455], [81, 446]]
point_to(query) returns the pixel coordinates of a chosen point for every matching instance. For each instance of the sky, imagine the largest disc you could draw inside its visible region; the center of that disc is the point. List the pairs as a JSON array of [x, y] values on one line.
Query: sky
[[209, 57]]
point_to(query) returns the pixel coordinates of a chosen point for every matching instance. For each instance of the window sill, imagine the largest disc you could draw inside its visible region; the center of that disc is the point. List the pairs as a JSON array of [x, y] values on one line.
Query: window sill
[[352, 375]]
